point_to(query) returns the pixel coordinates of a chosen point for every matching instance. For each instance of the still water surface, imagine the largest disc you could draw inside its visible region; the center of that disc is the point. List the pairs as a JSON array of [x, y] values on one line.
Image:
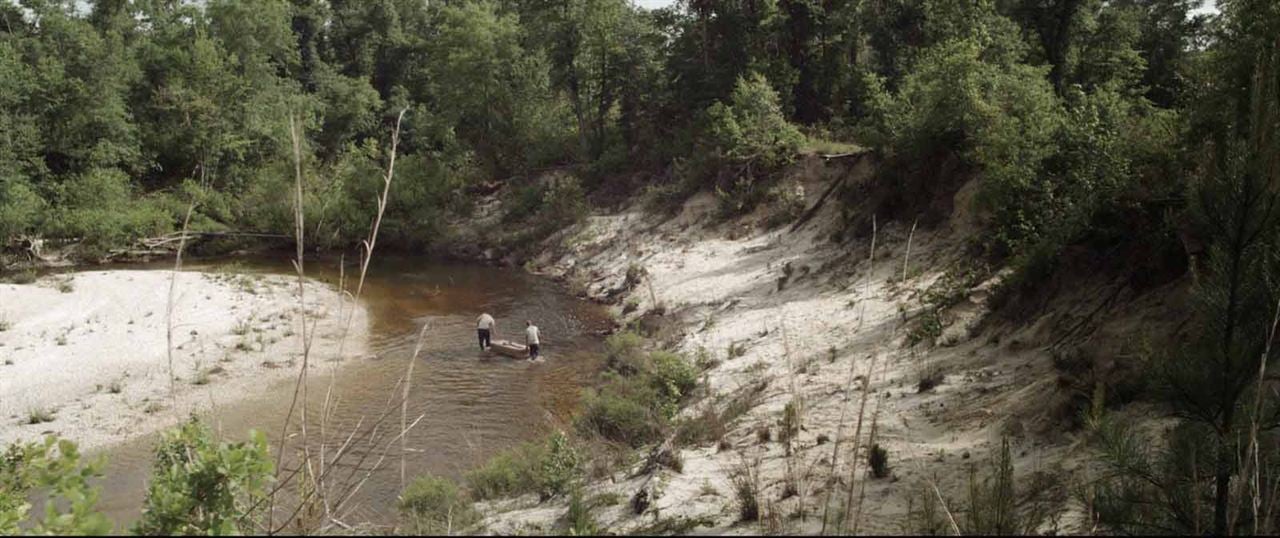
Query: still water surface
[[473, 405]]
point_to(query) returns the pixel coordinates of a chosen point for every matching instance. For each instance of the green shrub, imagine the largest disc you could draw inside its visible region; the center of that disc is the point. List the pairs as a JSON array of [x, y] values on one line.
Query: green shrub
[[673, 376], [622, 411], [641, 395], [624, 353], [20, 207], [199, 486], [511, 472], [547, 467], [560, 467], [432, 505], [101, 209], [54, 468]]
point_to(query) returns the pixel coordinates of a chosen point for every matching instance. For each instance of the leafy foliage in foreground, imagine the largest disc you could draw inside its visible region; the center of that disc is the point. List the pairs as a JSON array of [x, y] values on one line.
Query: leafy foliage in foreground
[[53, 469], [199, 486]]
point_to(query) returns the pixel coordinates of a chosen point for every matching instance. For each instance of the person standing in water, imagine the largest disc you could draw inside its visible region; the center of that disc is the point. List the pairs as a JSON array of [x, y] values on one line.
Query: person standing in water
[[484, 329], [531, 339]]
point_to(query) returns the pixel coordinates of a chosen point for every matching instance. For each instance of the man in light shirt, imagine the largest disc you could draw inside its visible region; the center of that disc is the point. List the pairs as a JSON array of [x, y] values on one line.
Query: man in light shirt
[[484, 329], [531, 339]]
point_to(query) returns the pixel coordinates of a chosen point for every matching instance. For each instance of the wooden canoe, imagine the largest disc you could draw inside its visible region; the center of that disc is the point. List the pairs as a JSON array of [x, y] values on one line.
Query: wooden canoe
[[509, 348]]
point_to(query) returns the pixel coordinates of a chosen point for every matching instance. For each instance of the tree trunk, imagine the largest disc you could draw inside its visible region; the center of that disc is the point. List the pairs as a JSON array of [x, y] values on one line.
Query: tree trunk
[[1223, 489]]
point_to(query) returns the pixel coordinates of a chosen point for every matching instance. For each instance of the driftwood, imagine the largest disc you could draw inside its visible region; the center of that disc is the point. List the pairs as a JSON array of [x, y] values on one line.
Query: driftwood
[[26, 246], [168, 243]]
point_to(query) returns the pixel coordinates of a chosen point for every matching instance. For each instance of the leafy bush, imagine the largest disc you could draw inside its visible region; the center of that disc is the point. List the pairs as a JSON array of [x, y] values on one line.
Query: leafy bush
[[432, 505], [101, 208], [199, 486], [20, 207], [548, 467], [642, 392], [560, 467], [510, 472], [624, 411], [55, 468], [624, 352], [743, 143], [673, 375]]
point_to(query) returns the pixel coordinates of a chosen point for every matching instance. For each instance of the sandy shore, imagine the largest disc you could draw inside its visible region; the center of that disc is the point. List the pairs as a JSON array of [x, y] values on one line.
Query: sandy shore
[[89, 351]]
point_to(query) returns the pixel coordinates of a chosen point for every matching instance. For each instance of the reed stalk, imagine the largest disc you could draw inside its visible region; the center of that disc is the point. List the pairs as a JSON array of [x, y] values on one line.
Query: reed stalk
[[907, 257], [848, 392]]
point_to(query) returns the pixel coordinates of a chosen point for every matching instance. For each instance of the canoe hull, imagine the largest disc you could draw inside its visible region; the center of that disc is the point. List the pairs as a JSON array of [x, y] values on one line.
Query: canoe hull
[[509, 349]]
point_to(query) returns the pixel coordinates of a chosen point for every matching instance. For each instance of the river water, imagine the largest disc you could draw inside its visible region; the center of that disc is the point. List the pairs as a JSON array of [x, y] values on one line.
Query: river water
[[472, 405]]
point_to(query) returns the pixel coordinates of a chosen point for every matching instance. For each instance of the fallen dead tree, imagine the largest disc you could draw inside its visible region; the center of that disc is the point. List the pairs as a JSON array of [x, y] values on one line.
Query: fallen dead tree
[[168, 244]]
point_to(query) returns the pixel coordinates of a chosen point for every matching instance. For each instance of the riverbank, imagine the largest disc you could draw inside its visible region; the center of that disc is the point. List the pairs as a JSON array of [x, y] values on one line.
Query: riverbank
[[808, 331], [86, 356]]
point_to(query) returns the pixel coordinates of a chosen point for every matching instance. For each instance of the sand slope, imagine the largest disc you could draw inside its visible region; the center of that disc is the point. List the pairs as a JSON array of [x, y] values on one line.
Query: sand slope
[[91, 348], [838, 317]]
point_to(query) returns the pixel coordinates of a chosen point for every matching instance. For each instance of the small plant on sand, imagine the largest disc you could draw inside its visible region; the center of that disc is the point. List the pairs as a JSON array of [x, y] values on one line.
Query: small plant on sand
[[735, 350], [5, 324], [200, 377], [115, 386], [65, 285], [60, 340], [927, 330], [152, 408], [630, 306], [39, 415], [23, 277], [789, 425], [878, 460], [930, 377], [746, 489], [581, 522]]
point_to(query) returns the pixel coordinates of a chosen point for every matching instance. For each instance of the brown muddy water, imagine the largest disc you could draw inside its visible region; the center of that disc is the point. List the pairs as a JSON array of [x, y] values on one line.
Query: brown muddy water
[[473, 405]]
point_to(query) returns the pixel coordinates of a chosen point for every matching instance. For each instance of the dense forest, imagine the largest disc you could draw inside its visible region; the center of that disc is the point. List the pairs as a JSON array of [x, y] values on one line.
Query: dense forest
[[1146, 132], [1081, 116]]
